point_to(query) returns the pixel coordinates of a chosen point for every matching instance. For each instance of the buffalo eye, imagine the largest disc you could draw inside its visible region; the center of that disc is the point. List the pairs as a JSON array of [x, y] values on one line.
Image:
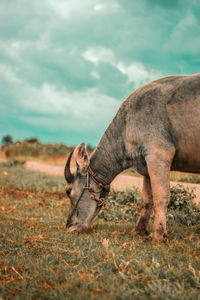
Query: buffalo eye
[[68, 191]]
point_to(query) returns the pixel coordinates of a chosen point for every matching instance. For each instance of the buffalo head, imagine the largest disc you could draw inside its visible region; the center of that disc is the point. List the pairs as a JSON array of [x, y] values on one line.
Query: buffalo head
[[80, 189]]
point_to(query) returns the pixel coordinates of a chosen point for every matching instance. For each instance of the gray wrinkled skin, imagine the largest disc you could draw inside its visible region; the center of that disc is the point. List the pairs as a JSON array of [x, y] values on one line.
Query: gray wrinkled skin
[[156, 129]]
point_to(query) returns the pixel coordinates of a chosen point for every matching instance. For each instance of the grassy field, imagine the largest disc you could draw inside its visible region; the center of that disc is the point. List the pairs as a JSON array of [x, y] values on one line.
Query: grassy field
[[40, 260]]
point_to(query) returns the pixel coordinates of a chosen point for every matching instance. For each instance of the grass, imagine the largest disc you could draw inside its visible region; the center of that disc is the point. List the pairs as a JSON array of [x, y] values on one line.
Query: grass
[[40, 260], [18, 177]]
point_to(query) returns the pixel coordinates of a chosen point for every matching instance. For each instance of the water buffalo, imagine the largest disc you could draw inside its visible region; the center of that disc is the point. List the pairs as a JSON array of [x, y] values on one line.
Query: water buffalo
[[156, 129]]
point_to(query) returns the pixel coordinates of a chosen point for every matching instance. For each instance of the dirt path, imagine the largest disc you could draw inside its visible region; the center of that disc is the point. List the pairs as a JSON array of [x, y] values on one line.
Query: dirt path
[[121, 181]]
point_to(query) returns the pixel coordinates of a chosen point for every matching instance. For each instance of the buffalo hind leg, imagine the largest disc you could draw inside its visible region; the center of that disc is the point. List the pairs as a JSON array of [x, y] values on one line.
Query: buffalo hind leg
[[146, 208], [159, 165]]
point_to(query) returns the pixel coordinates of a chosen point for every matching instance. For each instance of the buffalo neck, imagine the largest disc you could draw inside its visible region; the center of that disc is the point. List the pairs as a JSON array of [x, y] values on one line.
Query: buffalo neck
[[109, 157]]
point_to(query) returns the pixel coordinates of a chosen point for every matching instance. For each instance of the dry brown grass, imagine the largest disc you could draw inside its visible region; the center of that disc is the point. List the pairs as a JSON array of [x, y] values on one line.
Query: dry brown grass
[[40, 260]]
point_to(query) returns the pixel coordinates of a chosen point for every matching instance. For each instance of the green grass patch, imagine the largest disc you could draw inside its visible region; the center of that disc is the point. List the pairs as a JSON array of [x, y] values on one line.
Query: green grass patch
[[16, 176], [40, 260]]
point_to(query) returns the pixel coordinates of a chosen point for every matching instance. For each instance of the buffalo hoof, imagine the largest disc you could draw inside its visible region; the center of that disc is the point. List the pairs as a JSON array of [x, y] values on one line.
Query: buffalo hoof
[[156, 238], [142, 232]]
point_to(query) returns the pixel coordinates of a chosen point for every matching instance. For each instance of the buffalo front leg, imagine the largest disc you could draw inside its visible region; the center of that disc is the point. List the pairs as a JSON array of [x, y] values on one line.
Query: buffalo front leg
[[146, 208], [159, 172]]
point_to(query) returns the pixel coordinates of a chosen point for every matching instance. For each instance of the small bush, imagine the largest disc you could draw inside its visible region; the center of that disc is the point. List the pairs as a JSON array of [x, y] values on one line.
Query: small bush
[[32, 140], [121, 205], [7, 139], [180, 198], [125, 205], [193, 179], [14, 163]]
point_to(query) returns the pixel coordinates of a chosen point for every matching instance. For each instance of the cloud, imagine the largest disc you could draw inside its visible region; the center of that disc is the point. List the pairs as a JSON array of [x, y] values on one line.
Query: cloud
[[8, 74], [78, 111], [55, 107], [99, 54], [95, 75], [69, 9], [89, 111], [111, 6], [166, 4], [135, 71], [99, 7], [65, 64], [185, 37]]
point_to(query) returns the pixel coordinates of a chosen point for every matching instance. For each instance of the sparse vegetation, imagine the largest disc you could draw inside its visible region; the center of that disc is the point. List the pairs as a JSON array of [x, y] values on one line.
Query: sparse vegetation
[[185, 177], [40, 260], [7, 139], [34, 148]]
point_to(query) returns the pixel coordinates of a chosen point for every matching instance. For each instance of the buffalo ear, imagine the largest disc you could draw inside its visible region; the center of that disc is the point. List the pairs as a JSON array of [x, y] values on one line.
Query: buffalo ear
[[81, 158]]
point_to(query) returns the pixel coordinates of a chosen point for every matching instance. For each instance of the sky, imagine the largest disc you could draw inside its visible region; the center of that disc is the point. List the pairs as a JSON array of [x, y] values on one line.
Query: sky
[[67, 65]]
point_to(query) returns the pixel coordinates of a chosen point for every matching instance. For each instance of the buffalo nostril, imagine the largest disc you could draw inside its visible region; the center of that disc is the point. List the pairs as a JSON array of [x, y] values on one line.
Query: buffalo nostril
[[69, 223]]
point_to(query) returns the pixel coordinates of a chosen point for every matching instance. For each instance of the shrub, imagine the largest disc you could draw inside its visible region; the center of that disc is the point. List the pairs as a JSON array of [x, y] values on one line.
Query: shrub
[[32, 140], [7, 139], [125, 205], [121, 205], [180, 198]]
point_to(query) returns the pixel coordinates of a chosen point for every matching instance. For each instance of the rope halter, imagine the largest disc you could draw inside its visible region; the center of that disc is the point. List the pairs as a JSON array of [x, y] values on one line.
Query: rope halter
[[103, 189]]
